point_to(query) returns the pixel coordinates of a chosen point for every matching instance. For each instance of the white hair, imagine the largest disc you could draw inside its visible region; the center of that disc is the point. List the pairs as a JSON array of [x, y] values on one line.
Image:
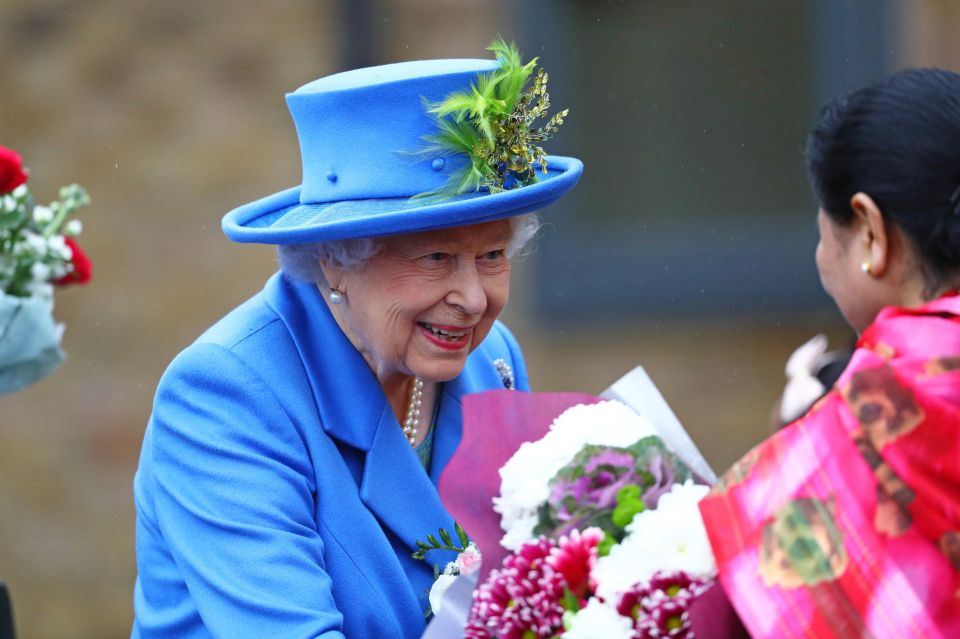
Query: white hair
[[301, 262]]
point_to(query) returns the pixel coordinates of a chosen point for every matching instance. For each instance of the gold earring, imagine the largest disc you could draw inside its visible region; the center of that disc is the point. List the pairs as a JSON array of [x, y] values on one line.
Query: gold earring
[[865, 267]]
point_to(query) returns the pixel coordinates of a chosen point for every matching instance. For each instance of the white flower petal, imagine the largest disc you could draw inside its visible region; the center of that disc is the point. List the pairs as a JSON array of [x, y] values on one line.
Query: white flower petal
[[598, 621], [42, 214], [40, 272], [670, 537]]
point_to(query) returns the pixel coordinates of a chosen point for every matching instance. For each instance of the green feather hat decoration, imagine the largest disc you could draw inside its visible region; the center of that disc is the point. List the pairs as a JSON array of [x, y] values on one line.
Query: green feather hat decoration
[[493, 124]]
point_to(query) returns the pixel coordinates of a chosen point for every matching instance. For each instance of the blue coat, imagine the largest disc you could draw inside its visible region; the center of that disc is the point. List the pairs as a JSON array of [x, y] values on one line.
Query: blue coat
[[276, 494]]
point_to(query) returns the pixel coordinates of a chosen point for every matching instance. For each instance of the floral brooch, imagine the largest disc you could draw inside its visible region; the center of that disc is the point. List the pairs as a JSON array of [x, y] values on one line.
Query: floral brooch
[[493, 124]]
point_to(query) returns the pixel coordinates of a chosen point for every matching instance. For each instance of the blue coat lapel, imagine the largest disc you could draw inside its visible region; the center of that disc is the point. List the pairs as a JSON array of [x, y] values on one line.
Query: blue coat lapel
[[348, 397], [354, 410], [397, 490]]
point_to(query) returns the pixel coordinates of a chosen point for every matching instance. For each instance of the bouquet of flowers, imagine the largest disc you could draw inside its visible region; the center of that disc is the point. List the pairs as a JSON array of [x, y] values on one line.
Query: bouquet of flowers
[[38, 250], [599, 512]]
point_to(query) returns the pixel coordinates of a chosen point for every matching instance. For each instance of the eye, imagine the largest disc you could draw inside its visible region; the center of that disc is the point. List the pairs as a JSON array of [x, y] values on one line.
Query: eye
[[435, 257], [493, 256]]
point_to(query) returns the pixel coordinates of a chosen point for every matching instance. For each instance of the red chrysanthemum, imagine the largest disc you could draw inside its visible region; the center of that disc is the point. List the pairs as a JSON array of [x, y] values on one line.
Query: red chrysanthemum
[[82, 266], [574, 557], [659, 607], [521, 599], [12, 174]]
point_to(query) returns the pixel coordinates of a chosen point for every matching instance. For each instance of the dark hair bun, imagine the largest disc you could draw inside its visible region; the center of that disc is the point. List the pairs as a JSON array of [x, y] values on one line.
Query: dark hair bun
[[898, 140]]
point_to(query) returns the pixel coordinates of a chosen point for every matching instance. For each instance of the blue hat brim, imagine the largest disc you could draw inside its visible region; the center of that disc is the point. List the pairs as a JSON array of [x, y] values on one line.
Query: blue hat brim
[[281, 218]]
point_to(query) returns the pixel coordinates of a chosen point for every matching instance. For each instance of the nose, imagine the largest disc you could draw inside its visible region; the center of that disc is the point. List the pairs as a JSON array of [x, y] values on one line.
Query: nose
[[466, 290]]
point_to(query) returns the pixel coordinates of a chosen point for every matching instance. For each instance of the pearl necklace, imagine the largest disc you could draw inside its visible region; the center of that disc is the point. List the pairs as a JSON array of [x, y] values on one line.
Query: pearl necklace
[[413, 411]]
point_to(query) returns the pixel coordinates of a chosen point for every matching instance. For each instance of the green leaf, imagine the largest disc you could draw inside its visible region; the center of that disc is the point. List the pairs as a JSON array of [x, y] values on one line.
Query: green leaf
[[604, 547], [445, 537], [461, 534], [569, 600]]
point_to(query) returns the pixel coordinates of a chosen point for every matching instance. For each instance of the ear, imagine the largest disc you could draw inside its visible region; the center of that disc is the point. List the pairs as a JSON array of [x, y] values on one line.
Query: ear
[[333, 274], [873, 238]]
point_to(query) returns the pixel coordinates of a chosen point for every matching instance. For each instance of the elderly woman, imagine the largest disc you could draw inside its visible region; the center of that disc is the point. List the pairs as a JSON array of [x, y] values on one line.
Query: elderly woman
[[847, 522], [291, 461]]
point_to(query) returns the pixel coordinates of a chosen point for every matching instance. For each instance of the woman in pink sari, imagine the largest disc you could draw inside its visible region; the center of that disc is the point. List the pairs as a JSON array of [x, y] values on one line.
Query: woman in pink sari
[[847, 522]]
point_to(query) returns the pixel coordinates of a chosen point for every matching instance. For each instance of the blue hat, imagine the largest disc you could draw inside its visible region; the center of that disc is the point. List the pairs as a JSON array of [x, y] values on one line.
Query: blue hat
[[360, 132]]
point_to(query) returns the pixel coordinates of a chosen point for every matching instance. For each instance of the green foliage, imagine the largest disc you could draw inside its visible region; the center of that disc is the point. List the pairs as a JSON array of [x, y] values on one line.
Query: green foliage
[[604, 547], [493, 124], [444, 543], [569, 600], [31, 246], [629, 503]]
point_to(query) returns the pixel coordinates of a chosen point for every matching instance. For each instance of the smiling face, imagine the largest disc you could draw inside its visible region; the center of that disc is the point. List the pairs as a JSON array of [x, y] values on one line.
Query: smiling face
[[426, 300]]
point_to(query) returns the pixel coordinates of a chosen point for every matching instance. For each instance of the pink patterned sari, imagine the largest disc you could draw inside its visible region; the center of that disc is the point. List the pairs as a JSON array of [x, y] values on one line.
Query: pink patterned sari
[[845, 524]]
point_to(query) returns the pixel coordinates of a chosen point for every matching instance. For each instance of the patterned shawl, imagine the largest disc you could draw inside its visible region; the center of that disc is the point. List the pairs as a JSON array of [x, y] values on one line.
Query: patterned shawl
[[845, 524]]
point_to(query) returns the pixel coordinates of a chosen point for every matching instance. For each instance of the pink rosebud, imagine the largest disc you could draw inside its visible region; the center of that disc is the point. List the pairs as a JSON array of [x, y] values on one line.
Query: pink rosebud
[[469, 560]]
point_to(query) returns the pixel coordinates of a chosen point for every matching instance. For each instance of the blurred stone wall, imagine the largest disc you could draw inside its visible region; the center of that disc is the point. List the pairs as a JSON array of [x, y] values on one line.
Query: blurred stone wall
[[171, 113]]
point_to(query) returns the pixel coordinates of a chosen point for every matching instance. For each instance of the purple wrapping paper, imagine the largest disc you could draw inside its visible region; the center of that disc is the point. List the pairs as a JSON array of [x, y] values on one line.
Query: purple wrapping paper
[[495, 423], [713, 617]]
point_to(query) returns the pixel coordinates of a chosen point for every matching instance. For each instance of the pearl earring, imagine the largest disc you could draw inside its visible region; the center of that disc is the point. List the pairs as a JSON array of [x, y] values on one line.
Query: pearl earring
[[865, 267], [335, 296]]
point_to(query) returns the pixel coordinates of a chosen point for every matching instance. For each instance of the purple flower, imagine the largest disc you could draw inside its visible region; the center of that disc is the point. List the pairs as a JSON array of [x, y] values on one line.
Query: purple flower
[[576, 498], [662, 478]]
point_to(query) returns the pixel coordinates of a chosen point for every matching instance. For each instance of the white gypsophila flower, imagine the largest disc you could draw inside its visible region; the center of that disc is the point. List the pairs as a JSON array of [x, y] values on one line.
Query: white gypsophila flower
[[40, 272], [35, 243], [73, 227], [9, 204], [20, 191], [598, 621], [670, 537], [42, 214], [60, 269], [58, 246], [525, 477]]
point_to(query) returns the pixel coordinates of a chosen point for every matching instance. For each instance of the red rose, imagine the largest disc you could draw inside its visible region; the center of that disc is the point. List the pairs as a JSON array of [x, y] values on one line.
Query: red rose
[[82, 266], [12, 174]]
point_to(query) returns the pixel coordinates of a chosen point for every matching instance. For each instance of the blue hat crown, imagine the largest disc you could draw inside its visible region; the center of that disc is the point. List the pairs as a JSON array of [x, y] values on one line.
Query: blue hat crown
[[359, 130], [365, 156]]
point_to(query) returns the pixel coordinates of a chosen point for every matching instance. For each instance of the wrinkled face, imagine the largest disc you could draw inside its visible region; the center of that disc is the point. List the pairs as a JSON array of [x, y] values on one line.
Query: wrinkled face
[[840, 273], [428, 299]]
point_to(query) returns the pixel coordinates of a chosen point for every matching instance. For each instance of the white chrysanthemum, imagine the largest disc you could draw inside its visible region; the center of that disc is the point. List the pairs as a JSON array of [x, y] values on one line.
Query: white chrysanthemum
[[670, 537], [524, 478], [42, 214], [598, 621]]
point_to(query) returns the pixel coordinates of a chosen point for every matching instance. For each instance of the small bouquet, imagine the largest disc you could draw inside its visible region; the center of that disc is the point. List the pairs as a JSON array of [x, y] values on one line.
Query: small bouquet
[[38, 250], [599, 512]]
